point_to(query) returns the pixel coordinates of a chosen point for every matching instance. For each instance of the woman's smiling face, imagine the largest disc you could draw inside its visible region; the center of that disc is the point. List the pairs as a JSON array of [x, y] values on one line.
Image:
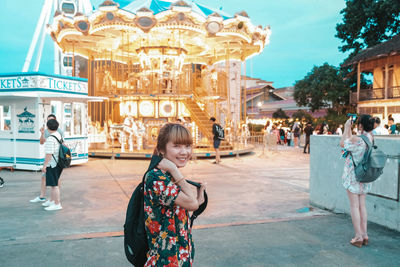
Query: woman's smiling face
[[178, 154]]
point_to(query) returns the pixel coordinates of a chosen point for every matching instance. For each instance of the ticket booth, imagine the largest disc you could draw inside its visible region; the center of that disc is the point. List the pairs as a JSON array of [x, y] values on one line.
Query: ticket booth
[[26, 99]]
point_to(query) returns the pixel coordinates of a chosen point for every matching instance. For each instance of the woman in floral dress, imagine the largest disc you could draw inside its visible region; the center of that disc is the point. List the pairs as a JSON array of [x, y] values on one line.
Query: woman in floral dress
[[168, 198], [357, 191]]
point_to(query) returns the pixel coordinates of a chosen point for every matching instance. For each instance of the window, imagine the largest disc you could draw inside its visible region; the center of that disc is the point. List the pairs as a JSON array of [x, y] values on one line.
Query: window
[[77, 109], [67, 61], [68, 8], [5, 118], [67, 119], [74, 119], [56, 110]]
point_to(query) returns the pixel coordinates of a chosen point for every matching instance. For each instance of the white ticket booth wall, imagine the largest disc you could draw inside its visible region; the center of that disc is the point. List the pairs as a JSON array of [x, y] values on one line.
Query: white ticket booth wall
[[19, 140], [24, 110]]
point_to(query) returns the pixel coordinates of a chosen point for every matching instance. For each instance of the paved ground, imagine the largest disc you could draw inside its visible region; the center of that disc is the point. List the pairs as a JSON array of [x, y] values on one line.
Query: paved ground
[[257, 216]]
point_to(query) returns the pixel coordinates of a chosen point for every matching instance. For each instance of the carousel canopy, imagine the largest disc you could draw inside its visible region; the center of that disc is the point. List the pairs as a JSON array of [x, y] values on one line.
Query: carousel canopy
[[143, 30], [157, 6]]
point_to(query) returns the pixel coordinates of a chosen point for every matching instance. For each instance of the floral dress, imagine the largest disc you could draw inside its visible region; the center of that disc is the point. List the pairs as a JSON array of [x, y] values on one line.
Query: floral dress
[[349, 181], [168, 233]]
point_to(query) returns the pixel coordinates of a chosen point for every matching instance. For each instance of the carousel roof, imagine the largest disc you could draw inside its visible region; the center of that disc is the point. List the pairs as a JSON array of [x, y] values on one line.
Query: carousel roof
[[158, 6], [127, 30]]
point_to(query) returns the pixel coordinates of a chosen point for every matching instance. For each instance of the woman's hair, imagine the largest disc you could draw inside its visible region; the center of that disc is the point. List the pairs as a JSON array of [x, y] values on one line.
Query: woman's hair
[[321, 129], [367, 122], [174, 132]]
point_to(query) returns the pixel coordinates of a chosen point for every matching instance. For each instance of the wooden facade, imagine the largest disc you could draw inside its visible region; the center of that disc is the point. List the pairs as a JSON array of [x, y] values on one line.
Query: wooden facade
[[382, 97]]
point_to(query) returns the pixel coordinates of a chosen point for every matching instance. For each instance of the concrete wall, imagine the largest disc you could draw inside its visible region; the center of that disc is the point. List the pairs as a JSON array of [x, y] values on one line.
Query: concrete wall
[[326, 190]]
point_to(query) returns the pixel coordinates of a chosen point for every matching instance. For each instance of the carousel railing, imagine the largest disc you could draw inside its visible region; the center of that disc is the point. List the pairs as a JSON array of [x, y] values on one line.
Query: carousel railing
[[112, 78]]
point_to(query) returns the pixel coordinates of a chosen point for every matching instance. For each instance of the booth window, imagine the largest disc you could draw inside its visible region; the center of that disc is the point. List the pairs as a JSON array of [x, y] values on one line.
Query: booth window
[[73, 119], [77, 112], [5, 118], [67, 119], [56, 110]]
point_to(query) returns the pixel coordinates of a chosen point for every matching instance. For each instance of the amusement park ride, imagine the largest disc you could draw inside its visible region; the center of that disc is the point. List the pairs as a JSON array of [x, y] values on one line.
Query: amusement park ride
[[152, 62]]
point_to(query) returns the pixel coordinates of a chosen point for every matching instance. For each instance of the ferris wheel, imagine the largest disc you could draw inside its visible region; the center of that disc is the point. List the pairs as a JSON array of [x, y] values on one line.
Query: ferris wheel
[[62, 61]]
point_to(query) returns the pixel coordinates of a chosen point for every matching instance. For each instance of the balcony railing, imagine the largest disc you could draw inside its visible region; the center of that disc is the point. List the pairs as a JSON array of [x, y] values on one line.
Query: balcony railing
[[353, 97], [394, 92], [375, 93], [372, 94]]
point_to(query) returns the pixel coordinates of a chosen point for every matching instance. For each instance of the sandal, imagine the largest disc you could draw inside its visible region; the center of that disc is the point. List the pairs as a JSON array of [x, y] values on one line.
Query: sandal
[[357, 243]]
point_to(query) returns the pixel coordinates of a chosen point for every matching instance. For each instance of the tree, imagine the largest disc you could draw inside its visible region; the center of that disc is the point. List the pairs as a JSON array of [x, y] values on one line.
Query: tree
[[367, 23], [323, 87], [302, 115], [279, 114]]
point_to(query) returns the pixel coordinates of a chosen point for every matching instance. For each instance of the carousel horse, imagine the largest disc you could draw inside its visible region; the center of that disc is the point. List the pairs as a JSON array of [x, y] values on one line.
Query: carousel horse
[[245, 134], [130, 131]]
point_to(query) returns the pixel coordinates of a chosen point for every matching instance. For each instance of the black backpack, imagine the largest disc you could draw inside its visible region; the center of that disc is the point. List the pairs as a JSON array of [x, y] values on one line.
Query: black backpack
[[220, 132], [135, 236], [64, 155]]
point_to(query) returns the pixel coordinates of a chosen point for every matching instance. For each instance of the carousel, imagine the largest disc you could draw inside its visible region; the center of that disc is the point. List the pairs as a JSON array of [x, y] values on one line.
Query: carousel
[[156, 62]]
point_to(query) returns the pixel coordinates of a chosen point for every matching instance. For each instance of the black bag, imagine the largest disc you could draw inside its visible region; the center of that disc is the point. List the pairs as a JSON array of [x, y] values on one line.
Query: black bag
[[64, 155], [135, 236], [220, 132]]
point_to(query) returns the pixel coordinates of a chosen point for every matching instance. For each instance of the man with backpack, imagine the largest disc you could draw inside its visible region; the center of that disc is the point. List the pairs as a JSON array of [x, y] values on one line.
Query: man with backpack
[[51, 169], [308, 131], [44, 135], [218, 133]]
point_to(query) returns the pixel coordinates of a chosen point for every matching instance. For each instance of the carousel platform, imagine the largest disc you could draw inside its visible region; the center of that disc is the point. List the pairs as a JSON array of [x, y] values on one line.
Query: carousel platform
[[147, 153]]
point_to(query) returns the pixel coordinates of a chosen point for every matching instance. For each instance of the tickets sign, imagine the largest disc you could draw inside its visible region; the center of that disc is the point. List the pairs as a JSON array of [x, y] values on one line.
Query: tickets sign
[[24, 83]]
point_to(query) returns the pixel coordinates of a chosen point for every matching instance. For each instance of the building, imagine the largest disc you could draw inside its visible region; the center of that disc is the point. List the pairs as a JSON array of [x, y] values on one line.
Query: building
[[382, 64], [262, 100]]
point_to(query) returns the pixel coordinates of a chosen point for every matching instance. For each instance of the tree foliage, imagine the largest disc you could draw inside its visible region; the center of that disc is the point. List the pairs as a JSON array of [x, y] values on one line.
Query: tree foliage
[[302, 115], [367, 23], [323, 87], [279, 114]]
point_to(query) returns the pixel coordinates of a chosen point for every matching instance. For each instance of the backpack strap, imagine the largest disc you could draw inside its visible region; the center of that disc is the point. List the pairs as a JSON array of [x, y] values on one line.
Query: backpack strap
[[59, 143], [155, 160], [369, 150], [369, 146], [57, 139]]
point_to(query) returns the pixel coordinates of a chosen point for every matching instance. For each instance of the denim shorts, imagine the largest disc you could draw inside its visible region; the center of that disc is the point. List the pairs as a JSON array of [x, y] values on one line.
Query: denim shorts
[[217, 143]]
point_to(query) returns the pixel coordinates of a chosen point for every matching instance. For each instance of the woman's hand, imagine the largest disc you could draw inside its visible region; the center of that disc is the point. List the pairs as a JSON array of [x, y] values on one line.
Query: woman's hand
[[348, 123], [200, 193], [347, 131], [168, 166]]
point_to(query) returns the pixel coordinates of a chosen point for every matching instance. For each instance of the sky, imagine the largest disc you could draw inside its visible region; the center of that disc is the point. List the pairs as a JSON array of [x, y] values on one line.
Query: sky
[[303, 35]]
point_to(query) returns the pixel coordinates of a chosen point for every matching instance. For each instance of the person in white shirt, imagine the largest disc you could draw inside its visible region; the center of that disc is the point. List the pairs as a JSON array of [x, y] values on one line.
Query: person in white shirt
[[50, 166], [339, 130], [45, 132], [378, 129], [44, 135]]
